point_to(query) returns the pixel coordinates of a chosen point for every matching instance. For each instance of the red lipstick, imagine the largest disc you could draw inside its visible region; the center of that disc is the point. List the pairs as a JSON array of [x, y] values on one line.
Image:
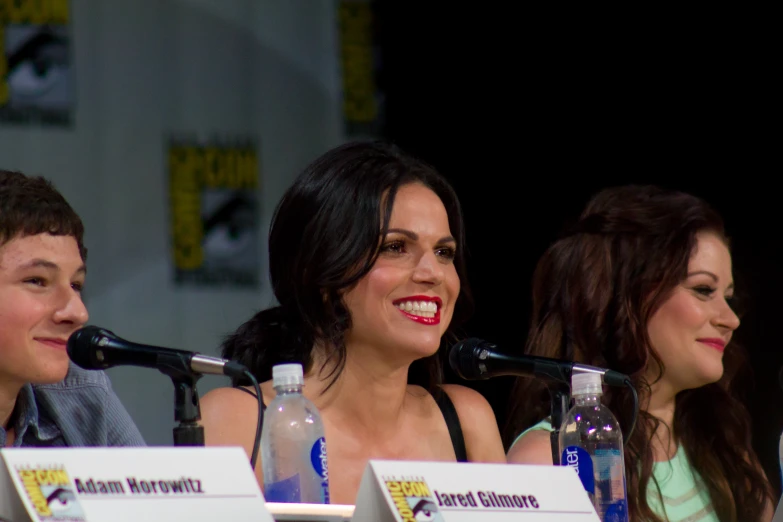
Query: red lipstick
[[714, 342], [429, 321]]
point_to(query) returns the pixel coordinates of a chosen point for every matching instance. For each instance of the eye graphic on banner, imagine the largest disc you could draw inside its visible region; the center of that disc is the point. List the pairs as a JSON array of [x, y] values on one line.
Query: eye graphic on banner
[[51, 494], [35, 65], [213, 192]]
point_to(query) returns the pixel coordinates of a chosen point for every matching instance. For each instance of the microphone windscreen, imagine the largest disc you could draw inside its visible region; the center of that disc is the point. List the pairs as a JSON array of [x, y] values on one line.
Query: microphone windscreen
[[81, 346], [462, 359]]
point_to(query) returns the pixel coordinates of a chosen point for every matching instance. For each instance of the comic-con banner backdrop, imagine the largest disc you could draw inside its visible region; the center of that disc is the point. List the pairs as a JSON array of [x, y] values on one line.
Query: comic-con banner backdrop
[[213, 193], [36, 77], [363, 99]]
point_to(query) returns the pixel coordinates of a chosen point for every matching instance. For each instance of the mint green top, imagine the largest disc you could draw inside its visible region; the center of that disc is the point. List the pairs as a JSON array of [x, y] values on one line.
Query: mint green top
[[685, 498]]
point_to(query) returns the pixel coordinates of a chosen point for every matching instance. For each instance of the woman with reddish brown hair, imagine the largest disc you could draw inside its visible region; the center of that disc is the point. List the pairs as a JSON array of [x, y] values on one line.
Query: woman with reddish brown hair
[[643, 285]]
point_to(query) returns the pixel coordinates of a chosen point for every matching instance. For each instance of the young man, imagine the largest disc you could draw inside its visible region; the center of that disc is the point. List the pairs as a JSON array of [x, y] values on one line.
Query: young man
[[45, 400]]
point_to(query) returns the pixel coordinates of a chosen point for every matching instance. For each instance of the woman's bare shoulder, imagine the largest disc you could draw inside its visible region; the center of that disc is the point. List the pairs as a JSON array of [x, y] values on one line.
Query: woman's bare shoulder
[[478, 423], [228, 415], [535, 447]]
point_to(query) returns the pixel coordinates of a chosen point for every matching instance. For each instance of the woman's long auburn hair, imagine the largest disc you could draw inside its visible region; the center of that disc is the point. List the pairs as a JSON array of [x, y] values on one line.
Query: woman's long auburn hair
[[594, 292]]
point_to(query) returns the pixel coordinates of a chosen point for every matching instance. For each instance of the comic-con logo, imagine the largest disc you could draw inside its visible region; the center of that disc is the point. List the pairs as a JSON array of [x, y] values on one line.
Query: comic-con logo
[[413, 500], [51, 493]]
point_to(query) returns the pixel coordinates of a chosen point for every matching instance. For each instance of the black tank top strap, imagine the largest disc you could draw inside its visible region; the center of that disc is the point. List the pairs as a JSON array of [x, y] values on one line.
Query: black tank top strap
[[452, 422]]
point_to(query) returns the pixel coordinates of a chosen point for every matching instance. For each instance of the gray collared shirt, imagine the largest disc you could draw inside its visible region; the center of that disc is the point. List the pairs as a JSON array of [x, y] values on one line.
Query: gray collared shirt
[[81, 410]]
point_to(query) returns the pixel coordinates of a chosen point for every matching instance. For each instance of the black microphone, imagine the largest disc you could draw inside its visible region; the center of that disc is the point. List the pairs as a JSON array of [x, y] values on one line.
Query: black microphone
[[474, 359], [95, 348]]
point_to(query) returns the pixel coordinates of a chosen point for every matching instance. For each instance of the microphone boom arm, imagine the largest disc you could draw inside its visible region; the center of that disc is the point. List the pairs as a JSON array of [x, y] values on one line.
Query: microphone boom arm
[[541, 365], [476, 359], [95, 348]]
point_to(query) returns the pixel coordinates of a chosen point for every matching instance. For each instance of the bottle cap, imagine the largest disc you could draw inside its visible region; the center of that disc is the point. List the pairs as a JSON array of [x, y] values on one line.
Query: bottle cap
[[586, 383], [287, 374]]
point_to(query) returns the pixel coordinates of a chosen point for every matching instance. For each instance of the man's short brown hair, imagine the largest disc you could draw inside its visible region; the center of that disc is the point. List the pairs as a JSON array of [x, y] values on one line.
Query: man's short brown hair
[[30, 205]]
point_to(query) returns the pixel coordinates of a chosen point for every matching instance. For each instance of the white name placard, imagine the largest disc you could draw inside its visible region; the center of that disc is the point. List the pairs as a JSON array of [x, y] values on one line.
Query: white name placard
[[400, 491], [310, 512], [129, 484]]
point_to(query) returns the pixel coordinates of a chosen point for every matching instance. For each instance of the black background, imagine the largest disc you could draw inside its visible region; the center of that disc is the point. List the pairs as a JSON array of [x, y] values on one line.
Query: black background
[[530, 113]]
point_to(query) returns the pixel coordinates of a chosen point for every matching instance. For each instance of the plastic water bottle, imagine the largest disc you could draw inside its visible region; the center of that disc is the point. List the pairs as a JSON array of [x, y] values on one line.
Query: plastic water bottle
[[293, 446], [592, 444]]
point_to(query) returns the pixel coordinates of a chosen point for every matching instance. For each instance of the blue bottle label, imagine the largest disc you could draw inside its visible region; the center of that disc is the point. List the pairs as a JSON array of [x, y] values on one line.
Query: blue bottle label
[[582, 463], [617, 511], [286, 490], [611, 476], [318, 460]]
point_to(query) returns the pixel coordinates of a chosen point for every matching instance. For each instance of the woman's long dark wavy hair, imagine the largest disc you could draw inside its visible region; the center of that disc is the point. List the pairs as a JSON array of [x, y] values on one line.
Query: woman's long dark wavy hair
[[594, 292], [324, 237]]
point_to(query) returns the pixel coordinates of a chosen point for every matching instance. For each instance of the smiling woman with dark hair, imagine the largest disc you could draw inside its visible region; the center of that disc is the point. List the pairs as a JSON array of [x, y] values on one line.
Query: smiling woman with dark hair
[[367, 261]]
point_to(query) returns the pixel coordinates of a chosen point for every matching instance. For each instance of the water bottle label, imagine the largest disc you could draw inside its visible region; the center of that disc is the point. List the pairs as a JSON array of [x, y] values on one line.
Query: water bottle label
[[611, 477], [318, 460], [616, 512], [286, 490], [580, 460]]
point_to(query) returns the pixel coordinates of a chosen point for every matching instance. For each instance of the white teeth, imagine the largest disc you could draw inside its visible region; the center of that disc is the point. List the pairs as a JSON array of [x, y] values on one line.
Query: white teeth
[[420, 308]]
